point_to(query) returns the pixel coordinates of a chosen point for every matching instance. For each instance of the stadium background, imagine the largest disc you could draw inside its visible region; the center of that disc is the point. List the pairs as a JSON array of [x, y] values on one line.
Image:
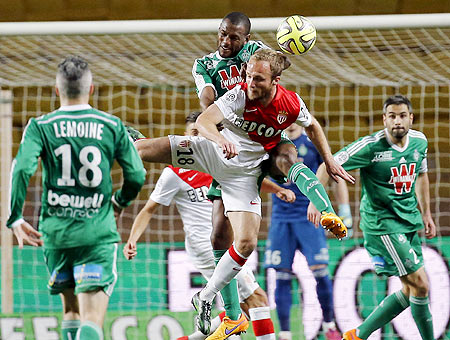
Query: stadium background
[[156, 98]]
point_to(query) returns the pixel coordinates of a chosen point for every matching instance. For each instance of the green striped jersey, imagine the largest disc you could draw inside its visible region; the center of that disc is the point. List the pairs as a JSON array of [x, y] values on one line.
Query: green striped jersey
[[222, 74], [388, 175], [77, 146]]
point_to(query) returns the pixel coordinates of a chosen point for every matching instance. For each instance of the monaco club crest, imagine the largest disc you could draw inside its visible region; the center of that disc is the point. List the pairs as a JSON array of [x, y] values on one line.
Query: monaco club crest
[[185, 143], [282, 116]]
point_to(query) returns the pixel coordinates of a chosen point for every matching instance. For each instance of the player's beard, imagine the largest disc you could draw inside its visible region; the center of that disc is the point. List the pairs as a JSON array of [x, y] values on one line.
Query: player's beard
[[399, 133]]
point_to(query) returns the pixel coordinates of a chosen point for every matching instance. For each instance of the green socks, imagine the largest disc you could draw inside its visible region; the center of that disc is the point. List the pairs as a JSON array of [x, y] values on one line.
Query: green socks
[[310, 186], [90, 331], [420, 310], [388, 309], [229, 293], [69, 329]]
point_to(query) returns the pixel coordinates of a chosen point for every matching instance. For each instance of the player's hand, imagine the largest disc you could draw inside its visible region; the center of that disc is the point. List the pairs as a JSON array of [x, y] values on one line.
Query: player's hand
[[430, 227], [130, 250], [286, 195], [26, 234], [335, 170], [229, 149], [313, 214]]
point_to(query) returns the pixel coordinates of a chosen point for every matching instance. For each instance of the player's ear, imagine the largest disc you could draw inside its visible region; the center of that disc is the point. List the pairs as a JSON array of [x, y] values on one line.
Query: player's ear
[[411, 117], [91, 89], [247, 38], [57, 90], [275, 80], [384, 119]]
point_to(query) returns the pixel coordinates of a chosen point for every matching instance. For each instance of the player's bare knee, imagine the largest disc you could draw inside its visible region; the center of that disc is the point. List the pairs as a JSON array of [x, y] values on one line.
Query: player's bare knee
[[419, 288], [417, 283], [71, 308], [246, 245], [284, 162]]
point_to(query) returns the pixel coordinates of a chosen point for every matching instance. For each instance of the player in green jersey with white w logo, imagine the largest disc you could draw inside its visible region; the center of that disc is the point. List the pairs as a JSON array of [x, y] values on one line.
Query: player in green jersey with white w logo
[[394, 177], [77, 145]]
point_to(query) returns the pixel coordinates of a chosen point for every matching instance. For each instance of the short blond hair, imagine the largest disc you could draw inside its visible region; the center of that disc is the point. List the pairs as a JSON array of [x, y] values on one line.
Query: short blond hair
[[277, 60]]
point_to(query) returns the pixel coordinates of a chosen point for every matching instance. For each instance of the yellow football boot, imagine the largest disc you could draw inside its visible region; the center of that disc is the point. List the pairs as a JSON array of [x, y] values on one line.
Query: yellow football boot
[[229, 327], [350, 335], [333, 223]]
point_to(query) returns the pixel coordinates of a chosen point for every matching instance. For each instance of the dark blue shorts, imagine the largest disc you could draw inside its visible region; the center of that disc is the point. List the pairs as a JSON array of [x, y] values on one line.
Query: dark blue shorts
[[285, 237]]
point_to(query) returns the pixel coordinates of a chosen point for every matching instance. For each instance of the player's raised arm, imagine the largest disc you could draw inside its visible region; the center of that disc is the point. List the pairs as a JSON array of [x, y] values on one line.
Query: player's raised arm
[[423, 196], [315, 133], [207, 127]]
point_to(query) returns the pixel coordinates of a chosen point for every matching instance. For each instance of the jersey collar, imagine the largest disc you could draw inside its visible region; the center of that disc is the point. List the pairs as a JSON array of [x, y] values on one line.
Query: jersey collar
[[218, 56], [78, 107], [395, 146]]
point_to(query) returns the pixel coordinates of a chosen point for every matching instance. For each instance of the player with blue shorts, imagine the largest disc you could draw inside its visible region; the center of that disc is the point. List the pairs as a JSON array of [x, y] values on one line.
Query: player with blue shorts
[[290, 230]]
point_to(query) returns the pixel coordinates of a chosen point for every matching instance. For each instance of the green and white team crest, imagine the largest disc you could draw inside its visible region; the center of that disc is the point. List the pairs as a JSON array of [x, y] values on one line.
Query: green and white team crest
[[403, 177]]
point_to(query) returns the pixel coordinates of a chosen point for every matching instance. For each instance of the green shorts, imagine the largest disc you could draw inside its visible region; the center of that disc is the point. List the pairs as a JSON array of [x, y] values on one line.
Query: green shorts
[[86, 269], [395, 254], [215, 192]]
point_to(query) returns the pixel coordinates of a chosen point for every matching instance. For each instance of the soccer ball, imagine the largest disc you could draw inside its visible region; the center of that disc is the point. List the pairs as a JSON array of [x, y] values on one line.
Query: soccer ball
[[296, 35]]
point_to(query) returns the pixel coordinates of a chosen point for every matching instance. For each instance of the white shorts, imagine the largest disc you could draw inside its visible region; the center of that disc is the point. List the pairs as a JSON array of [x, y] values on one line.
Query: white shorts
[[201, 254], [239, 186]]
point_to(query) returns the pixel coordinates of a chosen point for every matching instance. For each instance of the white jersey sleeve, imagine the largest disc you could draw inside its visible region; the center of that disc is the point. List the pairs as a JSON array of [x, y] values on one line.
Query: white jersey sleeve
[[166, 187], [304, 116], [424, 165], [232, 103]]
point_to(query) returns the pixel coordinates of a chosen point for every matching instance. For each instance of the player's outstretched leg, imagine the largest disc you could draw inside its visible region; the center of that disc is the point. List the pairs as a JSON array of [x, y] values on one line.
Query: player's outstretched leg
[[310, 186], [284, 162], [156, 150]]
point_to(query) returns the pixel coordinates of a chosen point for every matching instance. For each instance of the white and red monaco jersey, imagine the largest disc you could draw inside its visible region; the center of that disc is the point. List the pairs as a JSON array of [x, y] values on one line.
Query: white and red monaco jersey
[[256, 129], [188, 188]]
